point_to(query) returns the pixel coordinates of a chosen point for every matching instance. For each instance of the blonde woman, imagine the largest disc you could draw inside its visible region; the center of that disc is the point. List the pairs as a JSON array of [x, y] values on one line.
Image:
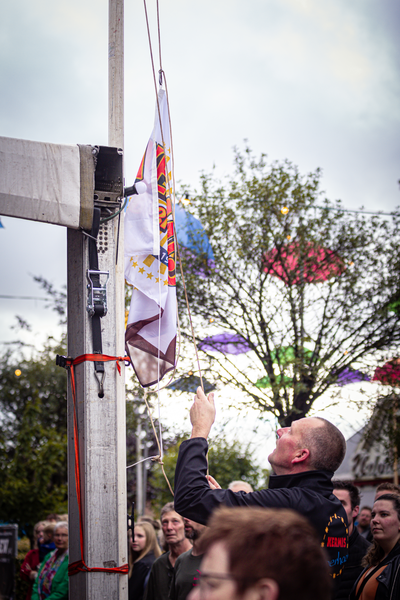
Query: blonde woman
[[143, 551]]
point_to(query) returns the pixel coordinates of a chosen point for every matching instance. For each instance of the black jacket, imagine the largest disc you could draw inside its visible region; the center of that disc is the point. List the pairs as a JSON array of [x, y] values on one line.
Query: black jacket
[[358, 547], [160, 579], [139, 577], [389, 579], [308, 493]]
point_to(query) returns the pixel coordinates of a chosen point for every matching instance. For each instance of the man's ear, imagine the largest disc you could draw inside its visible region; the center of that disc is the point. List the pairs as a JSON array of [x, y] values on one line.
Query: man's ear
[[355, 512], [267, 589], [300, 455]]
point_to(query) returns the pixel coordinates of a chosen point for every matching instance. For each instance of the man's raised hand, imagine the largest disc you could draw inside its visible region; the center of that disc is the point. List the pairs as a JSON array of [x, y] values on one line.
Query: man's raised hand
[[202, 414]]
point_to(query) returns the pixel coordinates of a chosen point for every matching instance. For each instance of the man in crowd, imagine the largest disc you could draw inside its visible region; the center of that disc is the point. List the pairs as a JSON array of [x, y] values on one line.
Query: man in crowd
[[261, 554], [387, 488], [186, 572], [363, 521], [240, 486], [349, 496], [160, 579], [304, 460]]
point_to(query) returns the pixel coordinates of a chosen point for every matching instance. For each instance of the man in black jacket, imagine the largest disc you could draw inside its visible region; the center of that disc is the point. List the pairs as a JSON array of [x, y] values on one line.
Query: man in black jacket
[[305, 457], [349, 496]]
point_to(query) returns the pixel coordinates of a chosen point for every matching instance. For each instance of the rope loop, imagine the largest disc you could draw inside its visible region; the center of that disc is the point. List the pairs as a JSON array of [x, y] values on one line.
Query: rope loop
[[80, 566], [69, 363]]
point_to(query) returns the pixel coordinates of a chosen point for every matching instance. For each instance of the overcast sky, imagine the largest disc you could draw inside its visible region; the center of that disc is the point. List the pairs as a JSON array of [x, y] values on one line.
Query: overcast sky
[[315, 82]]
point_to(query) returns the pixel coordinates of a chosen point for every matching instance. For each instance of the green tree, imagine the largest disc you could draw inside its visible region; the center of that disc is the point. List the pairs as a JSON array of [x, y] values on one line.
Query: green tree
[[33, 437], [228, 461], [309, 286]]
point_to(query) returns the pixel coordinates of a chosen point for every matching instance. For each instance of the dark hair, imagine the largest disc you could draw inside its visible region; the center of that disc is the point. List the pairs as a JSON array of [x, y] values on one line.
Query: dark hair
[[52, 517], [278, 544], [326, 444], [366, 508], [354, 492], [375, 552], [147, 519]]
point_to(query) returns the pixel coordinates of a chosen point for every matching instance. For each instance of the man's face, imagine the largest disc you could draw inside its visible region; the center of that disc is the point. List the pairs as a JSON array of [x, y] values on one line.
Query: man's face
[[344, 497], [288, 444], [215, 579], [193, 530], [173, 527], [364, 518]]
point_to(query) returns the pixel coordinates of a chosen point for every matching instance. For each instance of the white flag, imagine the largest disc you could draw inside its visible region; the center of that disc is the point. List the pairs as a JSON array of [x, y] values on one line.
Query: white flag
[[150, 335]]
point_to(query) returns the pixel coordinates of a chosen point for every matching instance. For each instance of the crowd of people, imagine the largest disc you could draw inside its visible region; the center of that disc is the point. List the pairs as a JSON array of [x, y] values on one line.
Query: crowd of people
[[45, 567], [303, 538]]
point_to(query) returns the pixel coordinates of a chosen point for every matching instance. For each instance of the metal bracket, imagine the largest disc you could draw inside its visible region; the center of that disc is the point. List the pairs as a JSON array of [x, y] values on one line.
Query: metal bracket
[[97, 293], [131, 520], [63, 361]]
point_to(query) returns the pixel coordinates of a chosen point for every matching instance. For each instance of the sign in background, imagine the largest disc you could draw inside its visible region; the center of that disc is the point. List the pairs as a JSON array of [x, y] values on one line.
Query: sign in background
[[8, 552]]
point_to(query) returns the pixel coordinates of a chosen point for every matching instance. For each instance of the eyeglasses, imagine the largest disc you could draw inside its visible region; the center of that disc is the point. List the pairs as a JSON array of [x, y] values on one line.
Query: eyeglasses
[[208, 581]]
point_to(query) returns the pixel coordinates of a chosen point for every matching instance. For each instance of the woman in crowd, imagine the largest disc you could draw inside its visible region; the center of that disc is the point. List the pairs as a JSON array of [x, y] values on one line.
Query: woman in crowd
[[47, 544], [143, 551], [31, 561], [52, 580], [380, 579]]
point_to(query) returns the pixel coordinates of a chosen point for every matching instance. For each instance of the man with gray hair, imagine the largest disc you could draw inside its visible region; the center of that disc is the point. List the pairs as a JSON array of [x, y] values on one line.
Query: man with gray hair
[[240, 486], [306, 455], [173, 527]]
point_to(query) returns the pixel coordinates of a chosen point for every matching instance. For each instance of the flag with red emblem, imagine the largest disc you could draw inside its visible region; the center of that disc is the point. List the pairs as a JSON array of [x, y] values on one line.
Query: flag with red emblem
[[150, 335]]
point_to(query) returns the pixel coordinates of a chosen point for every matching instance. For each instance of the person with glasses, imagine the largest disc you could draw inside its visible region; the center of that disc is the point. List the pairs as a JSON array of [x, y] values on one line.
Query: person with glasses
[[261, 554], [52, 580]]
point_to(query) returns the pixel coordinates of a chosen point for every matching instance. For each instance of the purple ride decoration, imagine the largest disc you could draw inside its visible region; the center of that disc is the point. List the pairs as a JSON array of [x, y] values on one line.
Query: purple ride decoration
[[349, 375], [227, 343]]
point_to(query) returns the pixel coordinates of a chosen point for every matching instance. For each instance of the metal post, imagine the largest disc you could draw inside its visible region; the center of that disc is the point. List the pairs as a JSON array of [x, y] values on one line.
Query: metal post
[[145, 465], [139, 470], [101, 421], [395, 454], [116, 74]]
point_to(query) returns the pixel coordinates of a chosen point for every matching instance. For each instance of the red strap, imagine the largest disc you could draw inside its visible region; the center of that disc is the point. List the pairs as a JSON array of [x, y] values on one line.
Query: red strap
[[80, 565]]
